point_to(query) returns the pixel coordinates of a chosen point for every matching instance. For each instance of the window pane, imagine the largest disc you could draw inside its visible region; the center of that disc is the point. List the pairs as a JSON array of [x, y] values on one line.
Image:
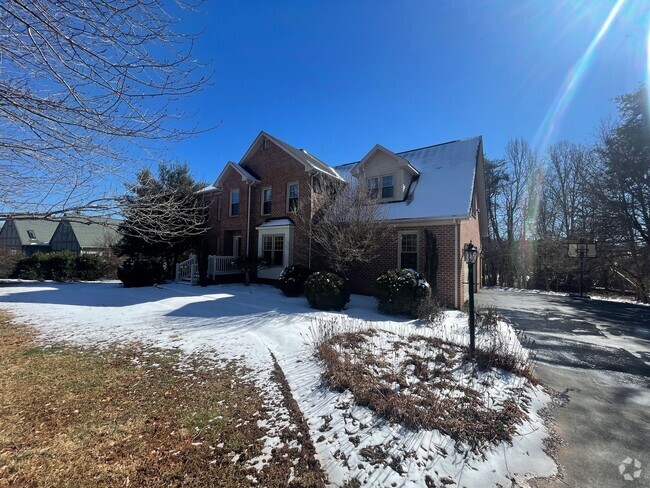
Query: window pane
[[267, 194], [234, 210], [373, 187], [293, 190], [235, 196], [279, 243], [266, 204], [409, 242], [409, 260], [387, 187], [268, 243]]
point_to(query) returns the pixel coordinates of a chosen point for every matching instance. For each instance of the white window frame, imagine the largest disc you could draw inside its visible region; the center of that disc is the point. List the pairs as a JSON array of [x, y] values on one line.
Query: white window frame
[[381, 187], [417, 247], [263, 201], [232, 192], [377, 189], [289, 185]]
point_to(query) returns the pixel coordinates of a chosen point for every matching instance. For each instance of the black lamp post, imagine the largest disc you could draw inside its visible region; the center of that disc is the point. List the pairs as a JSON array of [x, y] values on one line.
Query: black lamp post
[[470, 254]]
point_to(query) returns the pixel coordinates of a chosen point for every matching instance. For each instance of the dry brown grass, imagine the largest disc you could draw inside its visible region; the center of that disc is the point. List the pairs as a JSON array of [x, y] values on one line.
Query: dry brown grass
[[463, 416], [80, 417]]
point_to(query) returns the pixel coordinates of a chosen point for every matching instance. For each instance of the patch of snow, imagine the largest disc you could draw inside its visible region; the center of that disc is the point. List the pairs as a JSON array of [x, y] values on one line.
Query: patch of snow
[[235, 322]]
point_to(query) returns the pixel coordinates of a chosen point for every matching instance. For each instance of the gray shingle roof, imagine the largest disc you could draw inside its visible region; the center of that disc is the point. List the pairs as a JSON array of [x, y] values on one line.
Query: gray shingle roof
[[43, 230], [96, 234]]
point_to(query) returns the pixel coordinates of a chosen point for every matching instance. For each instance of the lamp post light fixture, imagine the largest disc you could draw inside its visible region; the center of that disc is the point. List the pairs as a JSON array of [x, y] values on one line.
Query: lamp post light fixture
[[470, 254]]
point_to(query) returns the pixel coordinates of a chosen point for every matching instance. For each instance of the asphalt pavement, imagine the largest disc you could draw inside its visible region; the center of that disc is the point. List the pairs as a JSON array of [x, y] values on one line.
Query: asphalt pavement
[[597, 354]]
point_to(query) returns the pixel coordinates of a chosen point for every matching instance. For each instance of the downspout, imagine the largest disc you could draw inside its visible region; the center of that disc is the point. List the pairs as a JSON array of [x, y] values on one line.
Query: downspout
[[248, 222], [456, 238], [311, 204]]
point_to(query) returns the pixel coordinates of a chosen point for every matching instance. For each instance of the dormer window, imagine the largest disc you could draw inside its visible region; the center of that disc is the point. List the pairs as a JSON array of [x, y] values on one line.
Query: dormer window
[[387, 187], [373, 188]]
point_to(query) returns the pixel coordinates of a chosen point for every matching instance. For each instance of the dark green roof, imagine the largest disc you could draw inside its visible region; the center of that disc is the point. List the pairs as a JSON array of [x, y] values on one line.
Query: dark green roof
[[96, 234], [42, 230]]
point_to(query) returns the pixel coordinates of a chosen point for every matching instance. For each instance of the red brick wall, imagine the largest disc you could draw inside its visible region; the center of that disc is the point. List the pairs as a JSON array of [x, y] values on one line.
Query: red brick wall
[[276, 169], [362, 279], [469, 231]]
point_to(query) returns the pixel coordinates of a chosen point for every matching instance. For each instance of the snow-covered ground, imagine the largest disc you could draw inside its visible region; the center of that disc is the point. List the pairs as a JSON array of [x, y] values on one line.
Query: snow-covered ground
[[250, 323], [593, 296]]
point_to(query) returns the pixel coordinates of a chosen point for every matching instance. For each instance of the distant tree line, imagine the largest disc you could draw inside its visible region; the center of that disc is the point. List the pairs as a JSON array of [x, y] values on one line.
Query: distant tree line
[[599, 192]]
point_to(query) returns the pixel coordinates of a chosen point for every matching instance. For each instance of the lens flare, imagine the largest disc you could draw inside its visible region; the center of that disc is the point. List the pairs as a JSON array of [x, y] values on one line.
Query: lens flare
[[566, 93]]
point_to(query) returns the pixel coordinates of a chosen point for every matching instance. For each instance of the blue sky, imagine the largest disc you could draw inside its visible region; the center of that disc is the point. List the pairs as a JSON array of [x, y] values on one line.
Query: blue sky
[[337, 77]]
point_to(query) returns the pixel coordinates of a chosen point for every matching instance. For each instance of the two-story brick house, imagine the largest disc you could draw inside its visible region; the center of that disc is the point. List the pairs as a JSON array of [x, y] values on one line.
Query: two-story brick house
[[436, 191]]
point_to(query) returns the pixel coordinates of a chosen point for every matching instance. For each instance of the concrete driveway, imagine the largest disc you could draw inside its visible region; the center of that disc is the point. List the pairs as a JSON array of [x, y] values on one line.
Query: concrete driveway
[[598, 353]]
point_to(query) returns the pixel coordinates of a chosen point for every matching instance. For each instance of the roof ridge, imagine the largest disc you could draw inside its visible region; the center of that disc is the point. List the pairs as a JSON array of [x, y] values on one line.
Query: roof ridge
[[439, 144]]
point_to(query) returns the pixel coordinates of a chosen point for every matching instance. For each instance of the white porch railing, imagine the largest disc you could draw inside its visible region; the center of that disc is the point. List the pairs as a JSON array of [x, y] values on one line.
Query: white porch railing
[[218, 265], [188, 270]]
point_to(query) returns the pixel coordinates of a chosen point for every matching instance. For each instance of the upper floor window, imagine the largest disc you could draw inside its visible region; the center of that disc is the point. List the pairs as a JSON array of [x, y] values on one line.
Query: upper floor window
[[292, 197], [408, 250], [234, 203], [387, 188], [266, 201], [373, 187]]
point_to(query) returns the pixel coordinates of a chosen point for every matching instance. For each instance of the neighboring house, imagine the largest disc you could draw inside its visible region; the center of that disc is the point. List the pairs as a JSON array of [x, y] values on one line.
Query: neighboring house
[[439, 189], [85, 237], [27, 235]]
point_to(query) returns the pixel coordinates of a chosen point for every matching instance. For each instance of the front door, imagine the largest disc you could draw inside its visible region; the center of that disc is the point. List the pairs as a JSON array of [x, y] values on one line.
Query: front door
[[236, 245]]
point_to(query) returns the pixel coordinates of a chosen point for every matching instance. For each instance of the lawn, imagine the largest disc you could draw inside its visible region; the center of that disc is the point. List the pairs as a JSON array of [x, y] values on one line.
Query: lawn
[[266, 347]]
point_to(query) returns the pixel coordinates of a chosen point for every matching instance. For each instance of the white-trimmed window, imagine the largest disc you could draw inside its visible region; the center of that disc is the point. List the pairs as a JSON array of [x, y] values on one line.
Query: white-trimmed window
[[408, 250], [234, 203], [273, 249], [292, 197], [387, 186], [266, 201], [373, 187]]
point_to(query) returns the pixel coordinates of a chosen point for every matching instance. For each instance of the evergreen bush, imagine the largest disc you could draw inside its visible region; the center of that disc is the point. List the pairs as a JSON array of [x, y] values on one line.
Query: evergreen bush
[[326, 291], [141, 271], [401, 292], [292, 280]]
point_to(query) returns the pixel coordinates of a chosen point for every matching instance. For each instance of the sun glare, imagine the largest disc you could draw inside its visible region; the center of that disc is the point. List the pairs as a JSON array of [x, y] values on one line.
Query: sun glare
[[558, 107]]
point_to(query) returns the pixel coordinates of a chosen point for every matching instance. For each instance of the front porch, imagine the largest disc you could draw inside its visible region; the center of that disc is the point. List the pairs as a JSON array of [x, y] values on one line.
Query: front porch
[[188, 271]]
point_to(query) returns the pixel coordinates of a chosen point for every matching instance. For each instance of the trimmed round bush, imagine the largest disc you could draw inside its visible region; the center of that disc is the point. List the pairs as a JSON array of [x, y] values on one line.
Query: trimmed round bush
[[292, 280], [326, 291], [401, 292], [140, 271]]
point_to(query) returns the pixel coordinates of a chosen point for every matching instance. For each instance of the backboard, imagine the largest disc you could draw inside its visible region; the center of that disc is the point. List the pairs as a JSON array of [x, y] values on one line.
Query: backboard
[[582, 250]]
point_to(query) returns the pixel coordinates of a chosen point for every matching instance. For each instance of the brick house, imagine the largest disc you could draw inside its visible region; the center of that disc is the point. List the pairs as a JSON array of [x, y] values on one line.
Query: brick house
[[435, 191]]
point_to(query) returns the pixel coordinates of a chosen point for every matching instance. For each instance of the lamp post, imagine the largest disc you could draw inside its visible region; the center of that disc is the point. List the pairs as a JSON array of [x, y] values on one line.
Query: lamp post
[[470, 254]]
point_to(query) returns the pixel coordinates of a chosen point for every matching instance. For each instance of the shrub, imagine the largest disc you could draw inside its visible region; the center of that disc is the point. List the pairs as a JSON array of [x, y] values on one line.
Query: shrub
[[429, 311], [28, 268], [8, 261], [89, 267], [326, 291], [57, 266], [292, 280], [401, 292], [141, 271]]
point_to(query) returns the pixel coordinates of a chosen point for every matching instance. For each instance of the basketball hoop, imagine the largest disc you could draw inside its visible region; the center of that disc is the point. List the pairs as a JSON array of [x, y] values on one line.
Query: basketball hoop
[[581, 250]]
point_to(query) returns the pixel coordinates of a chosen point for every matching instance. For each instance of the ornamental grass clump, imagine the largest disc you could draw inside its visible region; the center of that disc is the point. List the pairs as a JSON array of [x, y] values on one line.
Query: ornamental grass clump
[[401, 292], [292, 280], [326, 291]]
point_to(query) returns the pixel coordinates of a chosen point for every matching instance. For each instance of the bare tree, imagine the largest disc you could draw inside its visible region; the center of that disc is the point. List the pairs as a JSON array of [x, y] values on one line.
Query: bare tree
[[82, 82], [345, 226]]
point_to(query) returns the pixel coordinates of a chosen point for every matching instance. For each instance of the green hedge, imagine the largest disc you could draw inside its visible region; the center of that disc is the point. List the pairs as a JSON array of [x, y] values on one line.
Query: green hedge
[[401, 292], [326, 291], [141, 271], [59, 266]]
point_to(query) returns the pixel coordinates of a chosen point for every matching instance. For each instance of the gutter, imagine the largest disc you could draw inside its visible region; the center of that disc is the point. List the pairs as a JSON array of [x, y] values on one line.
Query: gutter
[[456, 239], [248, 222]]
